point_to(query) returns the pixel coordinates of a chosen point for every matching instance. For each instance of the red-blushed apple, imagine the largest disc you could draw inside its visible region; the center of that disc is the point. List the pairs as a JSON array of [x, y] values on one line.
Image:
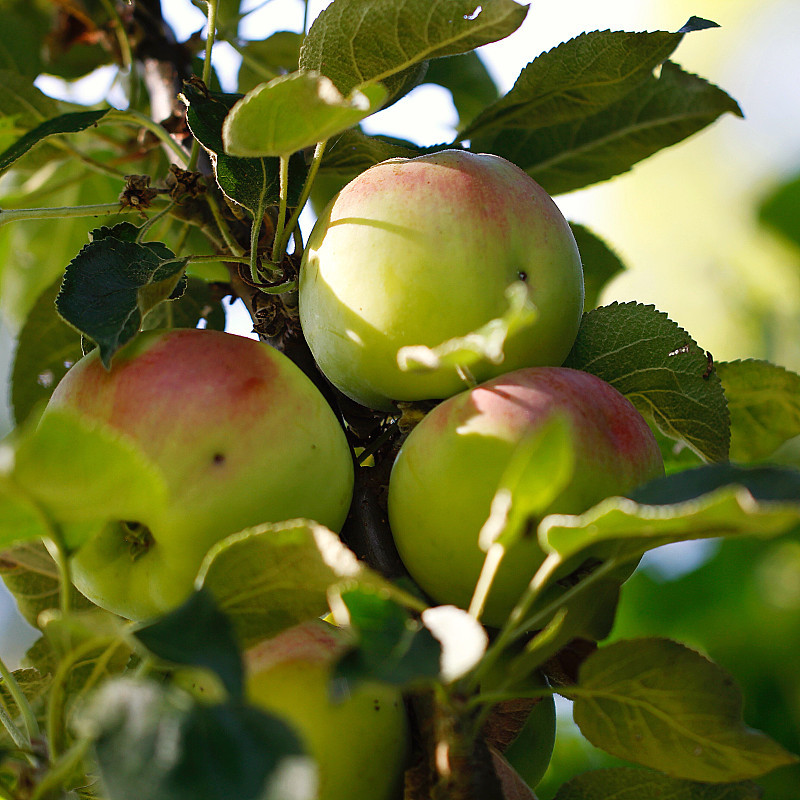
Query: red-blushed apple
[[448, 469], [242, 437], [359, 742], [420, 251]]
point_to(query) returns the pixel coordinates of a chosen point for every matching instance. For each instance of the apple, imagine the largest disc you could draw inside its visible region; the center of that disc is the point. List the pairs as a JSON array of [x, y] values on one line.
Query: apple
[[360, 743], [420, 251], [242, 437], [448, 469]]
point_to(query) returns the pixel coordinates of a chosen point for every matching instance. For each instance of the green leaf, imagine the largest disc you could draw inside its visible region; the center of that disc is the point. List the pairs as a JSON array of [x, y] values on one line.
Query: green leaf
[[392, 647], [353, 151], [73, 122], [356, 41], [713, 500], [295, 111], [487, 342], [662, 111], [659, 704], [79, 473], [198, 634], [20, 99], [46, 348], [576, 79], [268, 578], [113, 282], [466, 78], [539, 469], [780, 210], [22, 52], [764, 404], [600, 264], [154, 742], [265, 59], [31, 575], [200, 303], [247, 181], [660, 369], [625, 783]]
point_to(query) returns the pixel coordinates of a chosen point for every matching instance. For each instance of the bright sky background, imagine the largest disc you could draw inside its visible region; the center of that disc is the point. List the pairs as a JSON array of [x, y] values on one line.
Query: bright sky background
[[683, 220]]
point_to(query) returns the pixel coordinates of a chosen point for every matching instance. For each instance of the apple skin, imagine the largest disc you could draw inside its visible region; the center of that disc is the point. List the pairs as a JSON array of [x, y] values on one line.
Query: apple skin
[[419, 251], [361, 743], [242, 437], [446, 473]]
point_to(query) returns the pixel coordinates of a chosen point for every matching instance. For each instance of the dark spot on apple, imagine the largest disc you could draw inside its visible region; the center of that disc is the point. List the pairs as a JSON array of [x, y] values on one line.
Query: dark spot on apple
[[523, 276], [218, 458]]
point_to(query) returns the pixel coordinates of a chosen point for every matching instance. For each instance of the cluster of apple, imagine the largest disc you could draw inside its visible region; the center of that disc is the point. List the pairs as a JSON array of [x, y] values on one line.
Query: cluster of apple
[[420, 274]]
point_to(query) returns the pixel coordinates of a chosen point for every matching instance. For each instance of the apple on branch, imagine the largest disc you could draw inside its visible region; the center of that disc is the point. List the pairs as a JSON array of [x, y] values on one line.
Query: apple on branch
[[418, 252], [242, 437], [448, 469]]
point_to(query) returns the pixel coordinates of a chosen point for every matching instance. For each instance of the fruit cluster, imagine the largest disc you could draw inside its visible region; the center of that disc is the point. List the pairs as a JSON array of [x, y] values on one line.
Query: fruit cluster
[[420, 275]]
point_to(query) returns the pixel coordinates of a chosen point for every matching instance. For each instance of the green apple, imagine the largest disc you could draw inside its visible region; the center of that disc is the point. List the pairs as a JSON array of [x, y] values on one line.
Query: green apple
[[420, 251], [360, 743], [242, 437], [448, 469]]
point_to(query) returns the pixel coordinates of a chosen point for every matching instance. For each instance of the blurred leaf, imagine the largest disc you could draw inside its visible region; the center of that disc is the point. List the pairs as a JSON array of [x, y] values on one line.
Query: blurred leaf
[[624, 782], [356, 41], [34, 253], [20, 99], [764, 403], [113, 282], [199, 303], [657, 703], [22, 52], [265, 59], [713, 500], [486, 342], [198, 634], [466, 78], [246, 181], [575, 80], [31, 575], [295, 111], [154, 743], [600, 264], [268, 578], [660, 369], [46, 348], [660, 112], [34, 686], [353, 151], [78, 473], [781, 210], [74, 122], [392, 646]]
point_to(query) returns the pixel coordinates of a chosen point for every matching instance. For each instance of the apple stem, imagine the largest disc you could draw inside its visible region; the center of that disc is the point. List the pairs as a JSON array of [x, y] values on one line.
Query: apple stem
[[280, 244], [140, 120], [494, 556], [255, 230], [61, 557]]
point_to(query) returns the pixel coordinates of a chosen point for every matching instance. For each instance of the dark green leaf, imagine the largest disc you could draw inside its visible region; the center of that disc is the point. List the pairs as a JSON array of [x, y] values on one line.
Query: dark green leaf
[[392, 646], [20, 99], [73, 122], [265, 59], [661, 111], [198, 634], [353, 151], [22, 51], [600, 264], [355, 41], [625, 783], [112, 283], [659, 704], [155, 743], [660, 369], [199, 303], [575, 80], [46, 348], [246, 181], [781, 210], [466, 78]]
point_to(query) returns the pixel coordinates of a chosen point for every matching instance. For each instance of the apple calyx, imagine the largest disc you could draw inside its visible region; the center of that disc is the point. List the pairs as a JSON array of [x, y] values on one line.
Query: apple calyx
[[138, 537]]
